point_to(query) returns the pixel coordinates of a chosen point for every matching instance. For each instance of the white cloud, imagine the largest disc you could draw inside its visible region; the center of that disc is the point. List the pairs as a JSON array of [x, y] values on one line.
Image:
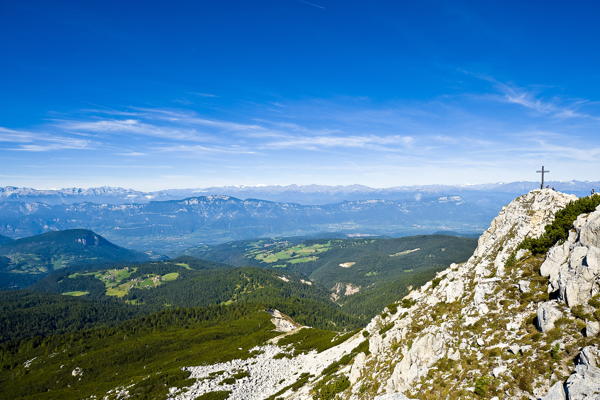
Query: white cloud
[[195, 148], [40, 141], [382, 143]]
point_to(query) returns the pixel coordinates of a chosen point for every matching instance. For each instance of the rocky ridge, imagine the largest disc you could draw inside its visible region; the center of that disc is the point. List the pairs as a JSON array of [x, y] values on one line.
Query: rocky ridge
[[506, 324]]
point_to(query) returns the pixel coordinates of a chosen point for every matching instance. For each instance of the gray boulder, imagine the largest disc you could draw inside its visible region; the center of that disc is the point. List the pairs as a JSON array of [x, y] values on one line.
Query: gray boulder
[[556, 392], [590, 233], [547, 314], [584, 384], [392, 396]]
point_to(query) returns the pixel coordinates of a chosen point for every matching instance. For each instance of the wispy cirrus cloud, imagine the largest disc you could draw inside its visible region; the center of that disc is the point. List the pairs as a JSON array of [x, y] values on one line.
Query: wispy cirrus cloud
[[40, 141], [200, 149], [372, 142], [133, 127], [531, 99], [458, 135], [555, 107]]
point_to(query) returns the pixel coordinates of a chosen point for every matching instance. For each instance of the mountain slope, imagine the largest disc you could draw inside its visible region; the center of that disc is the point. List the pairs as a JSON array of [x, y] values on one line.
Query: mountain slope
[[512, 322], [188, 282], [363, 275], [144, 356], [41, 254], [493, 327]]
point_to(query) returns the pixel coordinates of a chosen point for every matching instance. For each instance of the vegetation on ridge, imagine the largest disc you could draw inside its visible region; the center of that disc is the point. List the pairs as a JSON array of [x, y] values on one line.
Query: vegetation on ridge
[[558, 230]]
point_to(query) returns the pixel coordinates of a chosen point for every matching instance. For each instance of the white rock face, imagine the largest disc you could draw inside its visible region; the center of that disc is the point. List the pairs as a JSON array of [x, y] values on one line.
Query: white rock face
[[423, 354], [574, 266], [282, 322], [267, 374], [584, 384], [526, 216], [592, 328], [590, 234], [556, 392], [547, 314], [454, 291], [392, 396], [524, 286], [499, 371], [357, 367]]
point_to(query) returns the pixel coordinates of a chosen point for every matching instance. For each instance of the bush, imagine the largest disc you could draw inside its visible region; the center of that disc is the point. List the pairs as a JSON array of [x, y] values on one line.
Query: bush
[[482, 386], [386, 328], [393, 308], [408, 303], [326, 390], [558, 230], [555, 353], [219, 395]]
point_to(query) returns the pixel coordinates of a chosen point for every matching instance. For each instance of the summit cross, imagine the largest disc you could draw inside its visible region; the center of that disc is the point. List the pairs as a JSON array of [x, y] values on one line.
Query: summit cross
[[543, 172]]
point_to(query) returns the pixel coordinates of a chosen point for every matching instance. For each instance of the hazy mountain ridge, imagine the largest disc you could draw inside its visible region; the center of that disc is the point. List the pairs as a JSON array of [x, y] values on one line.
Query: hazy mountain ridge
[[303, 194], [171, 226]]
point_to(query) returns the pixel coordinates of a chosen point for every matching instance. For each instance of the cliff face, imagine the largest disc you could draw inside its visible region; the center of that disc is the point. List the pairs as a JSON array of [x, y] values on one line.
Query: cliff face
[[504, 325]]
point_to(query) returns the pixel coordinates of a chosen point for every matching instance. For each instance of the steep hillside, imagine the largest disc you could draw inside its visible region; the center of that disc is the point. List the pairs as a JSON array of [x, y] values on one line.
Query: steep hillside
[[188, 282], [508, 323], [82, 348], [39, 255], [363, 275]]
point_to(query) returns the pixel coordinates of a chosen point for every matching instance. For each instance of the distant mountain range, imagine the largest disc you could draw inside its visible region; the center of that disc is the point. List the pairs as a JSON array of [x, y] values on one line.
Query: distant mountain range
[[173, 226], [171, 221], [25, 260], [302, 194]]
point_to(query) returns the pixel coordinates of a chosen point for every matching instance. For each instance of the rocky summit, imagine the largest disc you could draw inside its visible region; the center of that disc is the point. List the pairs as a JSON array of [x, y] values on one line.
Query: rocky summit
[[507, 324]]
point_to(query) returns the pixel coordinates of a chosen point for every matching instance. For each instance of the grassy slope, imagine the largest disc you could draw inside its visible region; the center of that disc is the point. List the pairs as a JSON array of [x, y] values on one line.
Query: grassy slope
[[121, 356], [201, 283], [383, 278]]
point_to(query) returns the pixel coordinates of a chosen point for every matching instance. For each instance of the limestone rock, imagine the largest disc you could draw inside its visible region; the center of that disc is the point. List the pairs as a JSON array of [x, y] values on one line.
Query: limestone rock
[[590, 233], [590, 356], [392, 396], [522, 253], [556, 392], [282, 322], [578, 280], [454, 291], [357, 366], [524, 286], [592, 328], [423, 353], [499, 371], [547, 314], [556, 257]]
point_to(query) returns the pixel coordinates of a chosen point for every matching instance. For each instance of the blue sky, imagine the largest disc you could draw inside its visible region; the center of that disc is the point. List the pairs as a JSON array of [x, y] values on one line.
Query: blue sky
[[156, 95]]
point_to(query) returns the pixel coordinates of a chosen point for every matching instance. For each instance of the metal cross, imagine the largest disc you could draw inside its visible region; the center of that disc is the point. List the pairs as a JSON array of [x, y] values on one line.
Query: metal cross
[[543, 172]]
